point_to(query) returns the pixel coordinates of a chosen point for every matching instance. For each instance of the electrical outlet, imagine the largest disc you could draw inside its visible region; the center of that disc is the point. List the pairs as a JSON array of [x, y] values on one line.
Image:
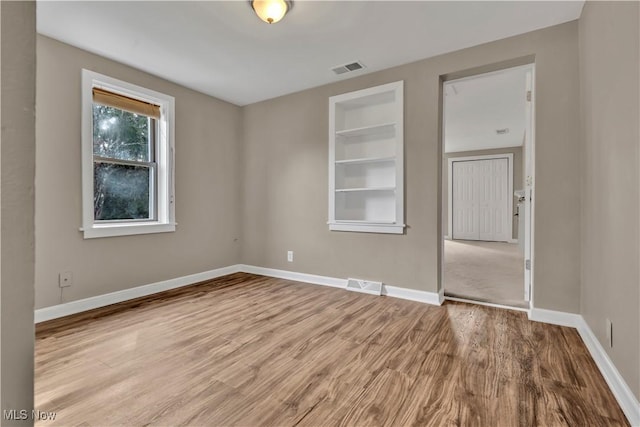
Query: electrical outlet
[[65, 279], [610, 333], [290, 256]]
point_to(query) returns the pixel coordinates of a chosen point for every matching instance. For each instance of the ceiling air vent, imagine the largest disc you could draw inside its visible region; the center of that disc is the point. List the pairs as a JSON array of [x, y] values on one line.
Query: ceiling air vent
[[502, 131], [354, 66]]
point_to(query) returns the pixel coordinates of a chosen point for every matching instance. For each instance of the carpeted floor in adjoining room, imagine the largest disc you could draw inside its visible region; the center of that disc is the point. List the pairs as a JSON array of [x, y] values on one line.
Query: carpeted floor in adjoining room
[[484, 271]]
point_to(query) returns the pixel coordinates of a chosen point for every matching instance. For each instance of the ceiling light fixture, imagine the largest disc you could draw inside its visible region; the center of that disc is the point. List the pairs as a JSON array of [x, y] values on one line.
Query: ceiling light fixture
[[271, 11]]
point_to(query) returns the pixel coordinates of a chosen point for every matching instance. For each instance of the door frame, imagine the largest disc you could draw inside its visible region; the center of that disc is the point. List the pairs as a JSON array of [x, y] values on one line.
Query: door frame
[[527, 62], [452, 160]]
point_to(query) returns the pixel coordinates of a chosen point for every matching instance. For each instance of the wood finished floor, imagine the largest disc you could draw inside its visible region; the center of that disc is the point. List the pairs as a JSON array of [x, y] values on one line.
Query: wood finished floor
[[249, 350]]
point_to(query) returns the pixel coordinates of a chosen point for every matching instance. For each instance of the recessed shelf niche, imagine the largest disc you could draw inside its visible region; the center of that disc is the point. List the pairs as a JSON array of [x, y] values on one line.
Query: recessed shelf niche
[[366, 160]]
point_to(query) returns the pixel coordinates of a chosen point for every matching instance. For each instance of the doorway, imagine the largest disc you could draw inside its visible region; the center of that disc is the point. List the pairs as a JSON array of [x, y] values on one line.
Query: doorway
[[487, 176]]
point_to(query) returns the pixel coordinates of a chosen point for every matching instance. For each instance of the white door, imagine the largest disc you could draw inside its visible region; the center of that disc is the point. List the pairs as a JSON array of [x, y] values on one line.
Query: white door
[[465, 206], [481, 200]]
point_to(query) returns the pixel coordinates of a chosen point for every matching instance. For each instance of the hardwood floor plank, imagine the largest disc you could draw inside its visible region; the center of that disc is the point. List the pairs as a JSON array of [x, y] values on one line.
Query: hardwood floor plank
[[378, 404], [245, 350]]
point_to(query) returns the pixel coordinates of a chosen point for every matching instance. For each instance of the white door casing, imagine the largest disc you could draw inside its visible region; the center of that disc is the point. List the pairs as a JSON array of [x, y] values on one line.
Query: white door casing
[[528, 153], [529, 181], [480, 197]]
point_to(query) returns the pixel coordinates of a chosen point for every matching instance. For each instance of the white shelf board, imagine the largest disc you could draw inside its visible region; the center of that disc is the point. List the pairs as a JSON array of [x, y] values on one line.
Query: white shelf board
[[365, 160], [366, 97], [347, 190], [366, 130], [360, 221], [367, 227]]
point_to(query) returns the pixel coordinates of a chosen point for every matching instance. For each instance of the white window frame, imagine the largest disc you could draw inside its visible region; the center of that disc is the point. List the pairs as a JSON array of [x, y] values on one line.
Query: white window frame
[[165, 214]]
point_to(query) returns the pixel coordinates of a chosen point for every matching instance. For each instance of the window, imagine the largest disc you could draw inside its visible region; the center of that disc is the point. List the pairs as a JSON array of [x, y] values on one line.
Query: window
[[127, 152]]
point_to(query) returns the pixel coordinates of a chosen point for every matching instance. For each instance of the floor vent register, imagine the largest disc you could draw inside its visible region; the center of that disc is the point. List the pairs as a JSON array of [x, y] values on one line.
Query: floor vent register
[[365, 286]]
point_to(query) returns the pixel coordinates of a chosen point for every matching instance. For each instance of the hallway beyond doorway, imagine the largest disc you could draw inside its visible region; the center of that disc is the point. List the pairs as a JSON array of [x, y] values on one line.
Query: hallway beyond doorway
[[484, 271]]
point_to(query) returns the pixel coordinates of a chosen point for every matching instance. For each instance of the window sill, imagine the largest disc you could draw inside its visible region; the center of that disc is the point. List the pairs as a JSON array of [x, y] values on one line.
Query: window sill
[[127, 229]]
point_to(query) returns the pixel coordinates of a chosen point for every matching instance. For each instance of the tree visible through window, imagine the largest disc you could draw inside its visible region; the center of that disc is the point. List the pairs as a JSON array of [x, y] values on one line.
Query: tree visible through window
[[123, 164]]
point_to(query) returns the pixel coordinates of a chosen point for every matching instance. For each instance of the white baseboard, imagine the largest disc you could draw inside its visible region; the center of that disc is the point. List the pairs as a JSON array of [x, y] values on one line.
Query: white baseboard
[[73, 307], [513, 240], [292, 275], [555, 317], [432, 298], [620, 389], [391, 291]]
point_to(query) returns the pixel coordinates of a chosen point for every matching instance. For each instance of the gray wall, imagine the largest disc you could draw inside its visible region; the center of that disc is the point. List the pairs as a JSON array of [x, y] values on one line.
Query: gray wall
[[207, 174], [517, 181], [17, 154], [609, 75], [268, 162], [285, 174]]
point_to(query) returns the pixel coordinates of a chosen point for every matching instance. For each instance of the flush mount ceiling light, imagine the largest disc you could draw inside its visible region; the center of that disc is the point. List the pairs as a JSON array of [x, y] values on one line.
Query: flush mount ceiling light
[[271, 11]]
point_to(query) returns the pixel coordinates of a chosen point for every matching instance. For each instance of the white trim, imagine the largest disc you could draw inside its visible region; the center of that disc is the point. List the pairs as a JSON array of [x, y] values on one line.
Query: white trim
[[165, 203], [367, 227], [528, 176], [620, 389], [528, 181], [292, 275], [127, 229], [364, 286], [489, 73], [487, 304], [362, 93], [431, 298], [553, 317], [451, 160], [73, 307], [397, 123]]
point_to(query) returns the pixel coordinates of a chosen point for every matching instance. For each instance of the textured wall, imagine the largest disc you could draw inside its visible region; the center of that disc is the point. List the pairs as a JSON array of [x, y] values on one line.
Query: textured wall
[[285, 170], [207, 181], [17, 154], [609, 75]]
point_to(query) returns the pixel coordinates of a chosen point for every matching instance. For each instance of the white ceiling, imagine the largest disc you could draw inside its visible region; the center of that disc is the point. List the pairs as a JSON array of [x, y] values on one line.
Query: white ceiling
[[224, 50], [476, 107]]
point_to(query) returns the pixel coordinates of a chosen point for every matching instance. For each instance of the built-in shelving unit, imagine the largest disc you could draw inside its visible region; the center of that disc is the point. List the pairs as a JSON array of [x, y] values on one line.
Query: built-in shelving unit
[[366, 146]]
